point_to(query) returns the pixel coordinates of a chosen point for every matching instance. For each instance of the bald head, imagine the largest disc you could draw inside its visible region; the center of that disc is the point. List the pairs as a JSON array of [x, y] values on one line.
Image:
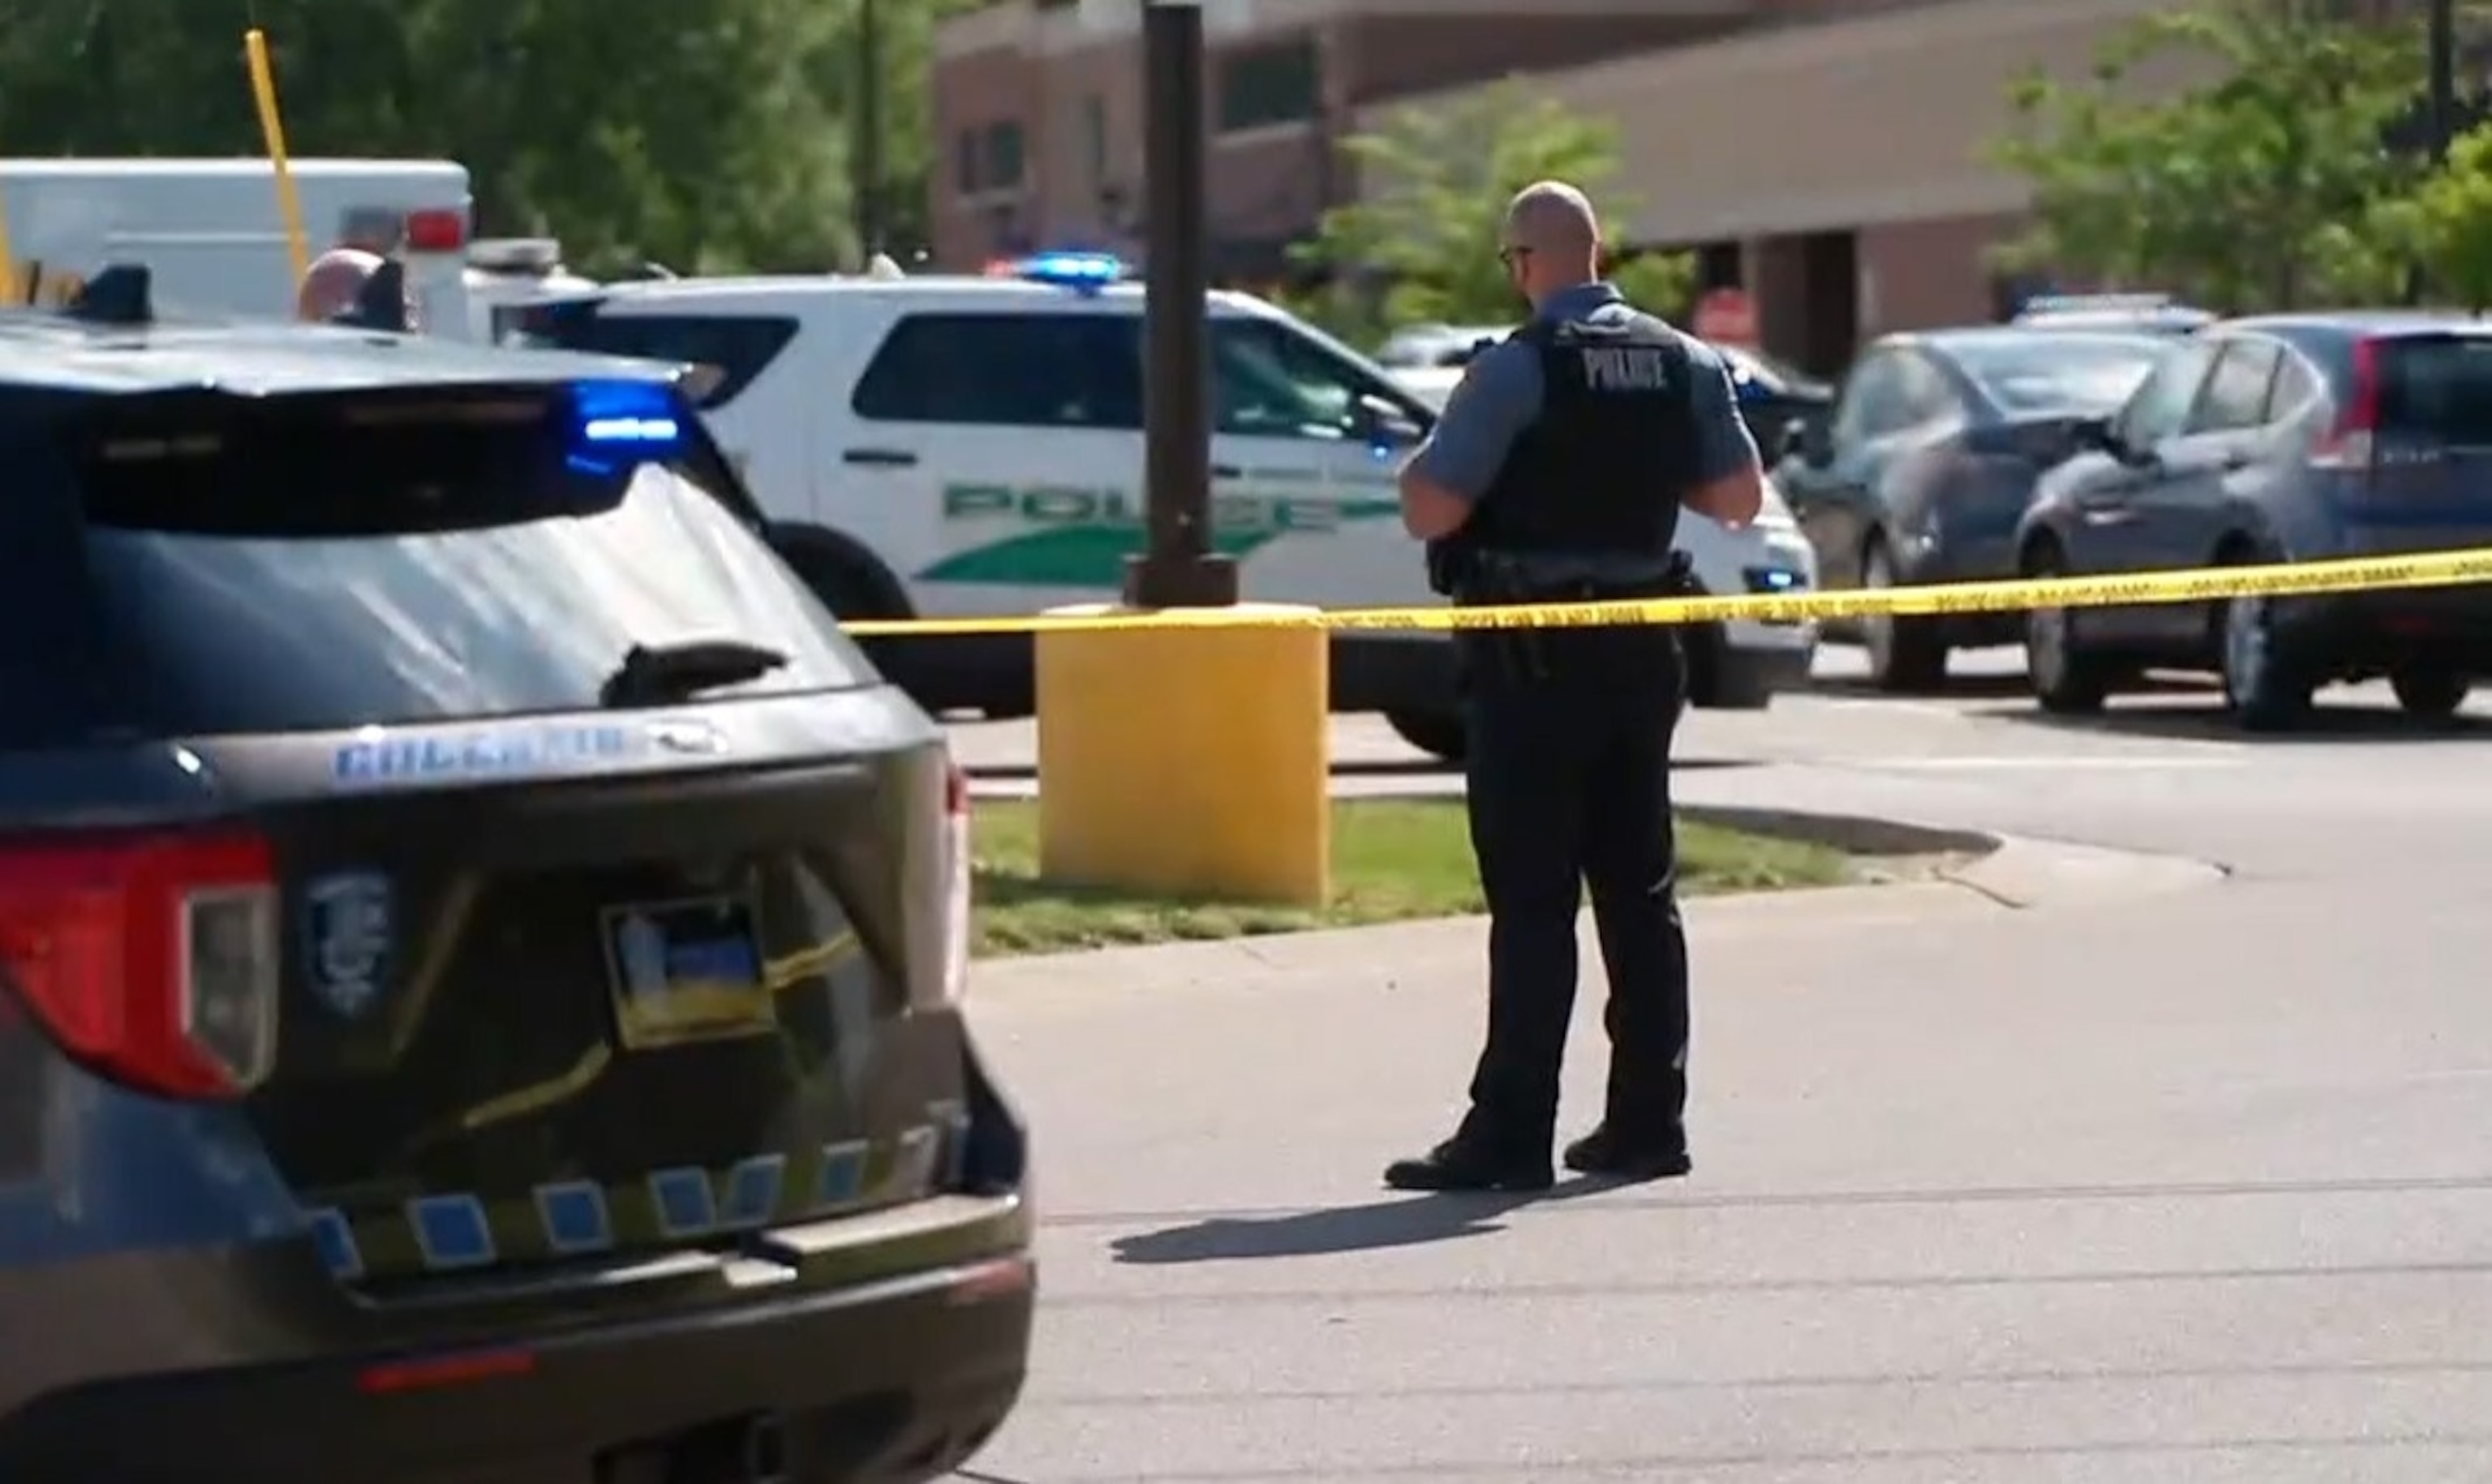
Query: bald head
[[331, 285], [1553, 216], [1551, 239]]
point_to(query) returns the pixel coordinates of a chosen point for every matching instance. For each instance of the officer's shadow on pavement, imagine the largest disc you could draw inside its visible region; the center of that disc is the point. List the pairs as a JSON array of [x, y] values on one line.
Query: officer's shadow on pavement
[[1401, 1221]]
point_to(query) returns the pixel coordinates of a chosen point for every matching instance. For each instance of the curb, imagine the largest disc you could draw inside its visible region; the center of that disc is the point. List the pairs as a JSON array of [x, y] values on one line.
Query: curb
[[1852, 834]]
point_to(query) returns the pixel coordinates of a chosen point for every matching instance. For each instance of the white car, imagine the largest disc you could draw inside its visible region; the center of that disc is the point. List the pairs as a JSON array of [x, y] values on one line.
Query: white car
[[949, 447]]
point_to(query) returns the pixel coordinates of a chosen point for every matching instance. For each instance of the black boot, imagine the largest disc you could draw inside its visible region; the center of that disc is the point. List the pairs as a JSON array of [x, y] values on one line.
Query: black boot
[[1467, 1164], [1614, 1155]]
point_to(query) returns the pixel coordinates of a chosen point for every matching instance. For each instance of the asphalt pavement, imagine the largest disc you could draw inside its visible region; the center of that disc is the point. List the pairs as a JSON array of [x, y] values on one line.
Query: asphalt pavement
[[2184, 1182]]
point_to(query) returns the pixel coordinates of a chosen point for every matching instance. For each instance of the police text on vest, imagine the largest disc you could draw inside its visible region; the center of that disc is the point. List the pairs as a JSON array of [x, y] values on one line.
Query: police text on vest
[[1626, 369]]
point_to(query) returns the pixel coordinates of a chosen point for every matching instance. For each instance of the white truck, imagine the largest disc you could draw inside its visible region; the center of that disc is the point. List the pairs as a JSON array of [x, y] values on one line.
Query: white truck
[[213, 235]]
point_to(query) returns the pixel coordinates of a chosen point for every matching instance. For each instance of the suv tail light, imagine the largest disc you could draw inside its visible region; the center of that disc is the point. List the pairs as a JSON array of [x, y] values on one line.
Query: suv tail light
[[151, 958], [2349, 444], [953, 846]]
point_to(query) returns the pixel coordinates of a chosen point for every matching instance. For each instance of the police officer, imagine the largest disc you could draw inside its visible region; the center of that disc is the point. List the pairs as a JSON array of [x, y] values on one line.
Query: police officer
[[334, 283], [1557, 473]]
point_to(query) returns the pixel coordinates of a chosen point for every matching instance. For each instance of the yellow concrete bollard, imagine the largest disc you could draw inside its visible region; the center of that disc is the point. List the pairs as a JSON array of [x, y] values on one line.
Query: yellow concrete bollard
[[1187, 762]]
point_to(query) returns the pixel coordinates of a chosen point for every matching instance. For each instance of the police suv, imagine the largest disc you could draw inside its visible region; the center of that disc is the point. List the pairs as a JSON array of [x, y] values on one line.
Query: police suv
[[481, 954], [962, 446]]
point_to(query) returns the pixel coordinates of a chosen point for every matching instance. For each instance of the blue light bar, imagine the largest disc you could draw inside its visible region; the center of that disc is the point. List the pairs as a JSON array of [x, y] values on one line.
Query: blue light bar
[[615, 416], [630, 431], [1072, 270]]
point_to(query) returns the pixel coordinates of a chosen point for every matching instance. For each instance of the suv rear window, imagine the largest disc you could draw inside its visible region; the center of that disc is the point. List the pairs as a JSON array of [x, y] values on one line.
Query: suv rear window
[[322, 563], [2439, 387], [740, 346]]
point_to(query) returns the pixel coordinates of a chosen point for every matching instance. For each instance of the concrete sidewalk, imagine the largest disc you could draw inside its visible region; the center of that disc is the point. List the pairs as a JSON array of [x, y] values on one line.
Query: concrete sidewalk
[[2015, 874], [2122, 1185]]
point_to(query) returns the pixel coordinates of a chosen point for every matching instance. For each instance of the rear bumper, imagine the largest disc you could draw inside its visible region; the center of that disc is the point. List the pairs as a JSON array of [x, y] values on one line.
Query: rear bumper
[[896, 1379], [2376, 631]]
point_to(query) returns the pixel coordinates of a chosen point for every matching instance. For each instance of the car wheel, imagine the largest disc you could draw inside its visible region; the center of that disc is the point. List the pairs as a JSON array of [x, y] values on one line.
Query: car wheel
[[2264, 688], [1439, 734], [841, 579], [1905, 654], [2066, 680], [2432, 692]]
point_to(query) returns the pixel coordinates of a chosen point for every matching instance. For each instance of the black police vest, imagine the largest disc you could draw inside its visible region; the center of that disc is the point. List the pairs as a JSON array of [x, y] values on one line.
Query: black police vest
[[1601, 471]]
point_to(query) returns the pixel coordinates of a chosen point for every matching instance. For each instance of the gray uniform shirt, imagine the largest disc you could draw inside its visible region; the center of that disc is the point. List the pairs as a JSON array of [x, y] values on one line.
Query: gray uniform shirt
[[1500, 396]]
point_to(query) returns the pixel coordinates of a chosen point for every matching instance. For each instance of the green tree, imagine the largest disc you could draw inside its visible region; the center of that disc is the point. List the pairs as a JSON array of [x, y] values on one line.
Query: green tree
[[1422, 245], [710, 135], [2446, 223], [904, 65], [2236, 192]]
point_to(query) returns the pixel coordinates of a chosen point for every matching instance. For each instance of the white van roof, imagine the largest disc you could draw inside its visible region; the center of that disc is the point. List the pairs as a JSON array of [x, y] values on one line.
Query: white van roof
[[242, 169]]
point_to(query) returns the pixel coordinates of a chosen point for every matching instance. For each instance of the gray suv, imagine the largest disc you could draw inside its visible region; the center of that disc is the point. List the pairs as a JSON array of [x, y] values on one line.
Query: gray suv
[[2278, 439], [481, 953]]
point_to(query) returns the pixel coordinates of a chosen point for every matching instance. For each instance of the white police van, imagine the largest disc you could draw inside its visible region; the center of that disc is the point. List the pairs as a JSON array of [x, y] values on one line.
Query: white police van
[[213, 235], [959, 447]]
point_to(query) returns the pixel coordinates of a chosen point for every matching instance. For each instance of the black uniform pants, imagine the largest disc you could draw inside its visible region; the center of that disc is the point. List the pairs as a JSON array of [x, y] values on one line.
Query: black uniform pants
[[1568, 734]]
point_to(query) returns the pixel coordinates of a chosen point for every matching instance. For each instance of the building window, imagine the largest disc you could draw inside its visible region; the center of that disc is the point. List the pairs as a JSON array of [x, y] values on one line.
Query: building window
[[965, 173], [1004, 156], [1094, 139], [1270, 85]]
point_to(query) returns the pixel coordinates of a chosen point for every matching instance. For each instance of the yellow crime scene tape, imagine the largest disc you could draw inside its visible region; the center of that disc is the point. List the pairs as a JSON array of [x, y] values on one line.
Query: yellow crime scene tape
[[2421, 569]]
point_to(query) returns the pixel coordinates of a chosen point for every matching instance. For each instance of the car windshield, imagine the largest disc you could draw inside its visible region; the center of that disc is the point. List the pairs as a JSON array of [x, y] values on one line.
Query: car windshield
[[2060, 372]]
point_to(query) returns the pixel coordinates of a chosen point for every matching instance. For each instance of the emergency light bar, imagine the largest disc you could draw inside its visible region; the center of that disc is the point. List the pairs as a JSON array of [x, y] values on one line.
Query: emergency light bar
[[621, 418], [538, 255], [2065, 304], [1071, 269]]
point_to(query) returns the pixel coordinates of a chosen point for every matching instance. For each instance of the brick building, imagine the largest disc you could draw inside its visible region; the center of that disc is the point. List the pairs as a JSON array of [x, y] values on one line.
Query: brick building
[[1839, 169], [1038, 103], [1828, 155]]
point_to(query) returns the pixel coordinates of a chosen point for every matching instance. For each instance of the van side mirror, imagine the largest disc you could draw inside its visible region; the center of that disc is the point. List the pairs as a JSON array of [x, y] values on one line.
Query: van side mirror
[[1806, 440], [1378, 421]]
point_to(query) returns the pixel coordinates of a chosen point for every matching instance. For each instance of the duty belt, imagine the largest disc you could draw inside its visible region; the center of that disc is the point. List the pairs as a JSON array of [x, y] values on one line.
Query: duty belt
[[1501, 580]]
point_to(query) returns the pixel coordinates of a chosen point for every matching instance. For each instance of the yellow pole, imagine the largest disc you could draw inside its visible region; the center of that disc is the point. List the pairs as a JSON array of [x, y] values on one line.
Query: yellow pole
[[8, 254], [272, 129]]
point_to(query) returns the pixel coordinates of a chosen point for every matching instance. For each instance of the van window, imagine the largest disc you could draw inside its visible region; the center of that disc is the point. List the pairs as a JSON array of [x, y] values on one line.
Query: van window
[[1008, 370], [741, 346], [323, 563]]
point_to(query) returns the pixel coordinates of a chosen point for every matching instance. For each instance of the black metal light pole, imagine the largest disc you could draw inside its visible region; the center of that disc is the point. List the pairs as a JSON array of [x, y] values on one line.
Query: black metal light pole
[[1179, 568], [2444, 76], [868, 186]]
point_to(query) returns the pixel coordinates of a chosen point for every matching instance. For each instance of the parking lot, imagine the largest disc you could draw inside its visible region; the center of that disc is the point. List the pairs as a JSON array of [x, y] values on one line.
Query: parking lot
[[2145, 1173]]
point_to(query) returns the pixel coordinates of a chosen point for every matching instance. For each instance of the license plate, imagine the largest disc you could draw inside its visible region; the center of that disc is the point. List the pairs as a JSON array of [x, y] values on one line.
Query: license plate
[[685, 970]]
